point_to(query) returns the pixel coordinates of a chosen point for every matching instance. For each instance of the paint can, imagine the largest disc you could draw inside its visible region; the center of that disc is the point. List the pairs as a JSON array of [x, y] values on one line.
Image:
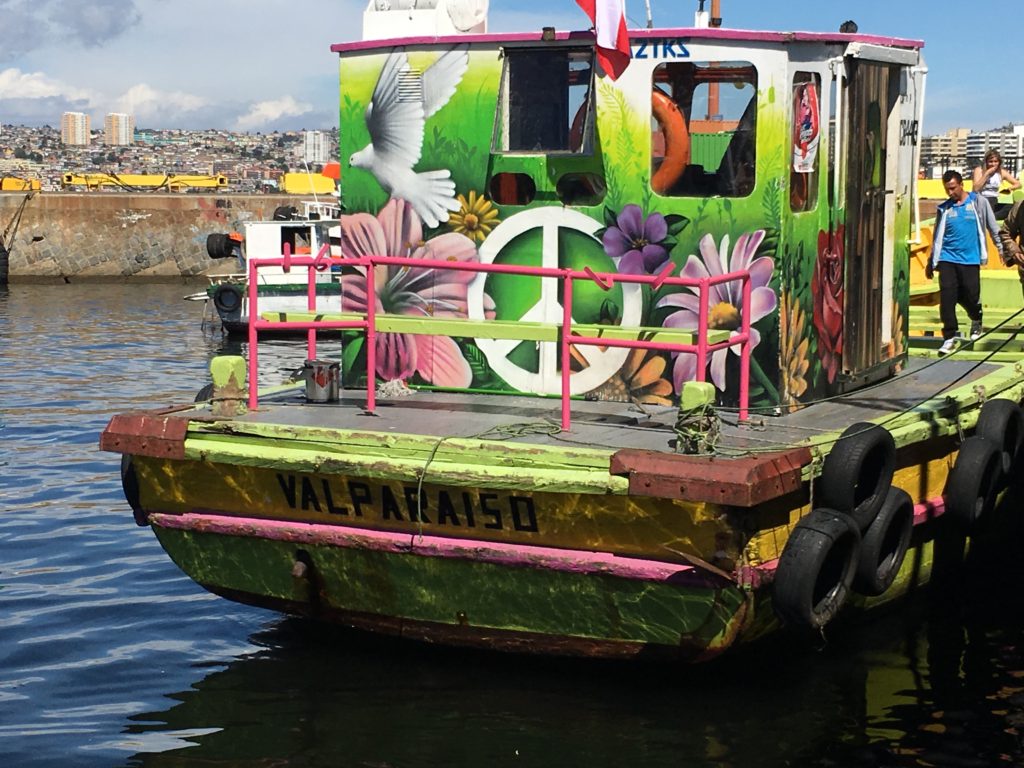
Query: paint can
[[323, 379]]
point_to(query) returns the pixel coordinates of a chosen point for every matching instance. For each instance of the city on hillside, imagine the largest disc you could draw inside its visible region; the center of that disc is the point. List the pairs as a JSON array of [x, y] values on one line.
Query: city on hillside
[[258, 162], [61, 158]]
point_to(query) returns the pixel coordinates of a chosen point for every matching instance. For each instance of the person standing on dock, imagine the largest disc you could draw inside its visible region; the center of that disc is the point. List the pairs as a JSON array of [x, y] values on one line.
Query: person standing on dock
[[958, 250], [989, 177], [1010, 238]]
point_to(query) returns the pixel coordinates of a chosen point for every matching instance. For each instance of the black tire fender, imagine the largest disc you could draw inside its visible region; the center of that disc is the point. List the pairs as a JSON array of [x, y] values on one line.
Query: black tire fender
[[858, 472], [816, 569], [130, 486], [204, 394], [1002, 422], [972, 483], [227, 299], [885, 544]]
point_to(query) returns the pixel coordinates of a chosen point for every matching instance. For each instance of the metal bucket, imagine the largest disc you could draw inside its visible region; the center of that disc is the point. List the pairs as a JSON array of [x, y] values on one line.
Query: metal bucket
[[323, 380]]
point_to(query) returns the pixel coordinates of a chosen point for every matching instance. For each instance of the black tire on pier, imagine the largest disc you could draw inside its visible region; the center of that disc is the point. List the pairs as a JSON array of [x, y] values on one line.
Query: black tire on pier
[[974, 480], [204, 394], [816, 569], [885, 544], [219, 246], [858, 472], [5, 263], [1002, 422]]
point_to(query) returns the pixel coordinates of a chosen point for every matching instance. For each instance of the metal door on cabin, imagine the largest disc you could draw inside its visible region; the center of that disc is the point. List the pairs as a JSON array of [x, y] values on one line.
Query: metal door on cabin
[[870, 98]]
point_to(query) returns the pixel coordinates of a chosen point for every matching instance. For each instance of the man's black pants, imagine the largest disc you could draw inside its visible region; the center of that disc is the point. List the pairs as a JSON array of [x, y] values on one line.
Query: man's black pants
[[958, 284]]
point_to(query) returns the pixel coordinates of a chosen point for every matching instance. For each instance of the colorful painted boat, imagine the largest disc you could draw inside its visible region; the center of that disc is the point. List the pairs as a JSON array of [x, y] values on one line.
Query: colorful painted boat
[[563, 455], [303, 230]]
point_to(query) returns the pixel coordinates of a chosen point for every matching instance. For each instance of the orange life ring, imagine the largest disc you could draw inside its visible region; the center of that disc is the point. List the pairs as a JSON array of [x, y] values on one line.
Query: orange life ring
[[677, 141], [673, 126]]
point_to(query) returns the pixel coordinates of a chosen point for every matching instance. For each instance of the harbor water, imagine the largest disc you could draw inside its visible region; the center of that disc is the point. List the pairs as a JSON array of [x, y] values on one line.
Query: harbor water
[[110, 656]]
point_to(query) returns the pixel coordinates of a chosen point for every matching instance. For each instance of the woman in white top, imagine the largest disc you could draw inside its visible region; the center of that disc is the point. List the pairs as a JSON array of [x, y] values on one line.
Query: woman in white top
[[990, 177]]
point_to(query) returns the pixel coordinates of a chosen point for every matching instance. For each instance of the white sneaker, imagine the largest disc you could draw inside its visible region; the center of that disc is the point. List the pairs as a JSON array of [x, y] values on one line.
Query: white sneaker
[[975, 331], [949, 345]]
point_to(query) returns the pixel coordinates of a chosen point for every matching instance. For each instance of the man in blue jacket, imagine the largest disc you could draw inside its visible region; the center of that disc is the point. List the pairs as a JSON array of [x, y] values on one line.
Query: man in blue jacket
[[958, 251]]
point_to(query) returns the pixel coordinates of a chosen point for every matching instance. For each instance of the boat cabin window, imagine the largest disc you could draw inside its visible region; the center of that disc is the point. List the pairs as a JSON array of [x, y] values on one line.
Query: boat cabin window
[[704, 129], [806, 132], [546, 105], [297, 238]]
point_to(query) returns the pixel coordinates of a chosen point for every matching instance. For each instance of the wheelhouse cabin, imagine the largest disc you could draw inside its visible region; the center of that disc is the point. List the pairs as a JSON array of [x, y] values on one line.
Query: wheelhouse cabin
[[791, 155]]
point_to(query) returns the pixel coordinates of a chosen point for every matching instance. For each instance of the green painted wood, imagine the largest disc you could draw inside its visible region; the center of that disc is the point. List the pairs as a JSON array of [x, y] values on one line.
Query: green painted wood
[[499, 329], [463, 591], [662, 335]]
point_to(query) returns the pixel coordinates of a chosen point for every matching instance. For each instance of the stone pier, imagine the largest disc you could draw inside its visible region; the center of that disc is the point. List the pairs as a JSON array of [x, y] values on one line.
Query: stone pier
[[116, 236]]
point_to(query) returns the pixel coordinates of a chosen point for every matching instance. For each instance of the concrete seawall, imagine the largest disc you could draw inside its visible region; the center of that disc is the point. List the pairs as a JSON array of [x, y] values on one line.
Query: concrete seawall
[[107, 237]]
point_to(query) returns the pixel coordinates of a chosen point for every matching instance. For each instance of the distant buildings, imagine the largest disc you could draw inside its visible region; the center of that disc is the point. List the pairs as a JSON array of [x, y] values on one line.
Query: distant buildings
[[961, 150], [118, 130], [75, 129], [315, 147]]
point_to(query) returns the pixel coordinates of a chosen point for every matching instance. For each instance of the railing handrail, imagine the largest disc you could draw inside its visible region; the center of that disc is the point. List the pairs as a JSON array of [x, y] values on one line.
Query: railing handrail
[[323, 260]]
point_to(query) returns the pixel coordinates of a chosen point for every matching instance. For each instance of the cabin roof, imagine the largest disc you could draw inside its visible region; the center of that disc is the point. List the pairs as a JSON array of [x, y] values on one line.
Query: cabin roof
[[677, 33]]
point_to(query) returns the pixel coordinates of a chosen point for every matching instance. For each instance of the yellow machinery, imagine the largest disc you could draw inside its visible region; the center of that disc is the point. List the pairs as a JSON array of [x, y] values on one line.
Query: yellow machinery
[[134, 182], [17, 184], [308, 184]]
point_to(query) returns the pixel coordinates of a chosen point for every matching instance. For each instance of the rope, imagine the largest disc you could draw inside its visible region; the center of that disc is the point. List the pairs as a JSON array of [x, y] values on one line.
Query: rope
[[772, 409], [500, 432], [697, 430], [7, 243]]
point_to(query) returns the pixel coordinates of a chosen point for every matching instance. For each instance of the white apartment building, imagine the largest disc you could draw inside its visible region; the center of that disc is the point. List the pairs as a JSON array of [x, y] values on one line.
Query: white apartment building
[[75, 129], [315, 147], [119, 129]]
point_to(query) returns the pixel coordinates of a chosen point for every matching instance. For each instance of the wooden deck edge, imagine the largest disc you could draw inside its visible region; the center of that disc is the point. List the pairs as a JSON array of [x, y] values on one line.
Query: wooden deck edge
[[741, 482]]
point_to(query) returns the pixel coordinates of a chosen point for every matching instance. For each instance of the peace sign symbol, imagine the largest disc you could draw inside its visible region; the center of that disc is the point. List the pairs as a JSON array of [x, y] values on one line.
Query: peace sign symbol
[[601, 363]]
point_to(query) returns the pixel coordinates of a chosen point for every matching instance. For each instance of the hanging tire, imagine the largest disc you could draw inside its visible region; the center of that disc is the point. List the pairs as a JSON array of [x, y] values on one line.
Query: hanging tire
[[204, 394], [1002, 422], [885, 544], [974, 480], [858, 472], [130, 486], [227, 299], [816, 569]]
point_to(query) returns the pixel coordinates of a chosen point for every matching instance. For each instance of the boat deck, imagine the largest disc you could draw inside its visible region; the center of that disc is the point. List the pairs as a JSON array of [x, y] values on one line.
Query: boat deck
[[610, 425]]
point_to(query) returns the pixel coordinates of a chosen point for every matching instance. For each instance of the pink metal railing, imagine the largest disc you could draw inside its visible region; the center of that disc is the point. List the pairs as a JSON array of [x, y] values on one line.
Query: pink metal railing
[[323, 260]]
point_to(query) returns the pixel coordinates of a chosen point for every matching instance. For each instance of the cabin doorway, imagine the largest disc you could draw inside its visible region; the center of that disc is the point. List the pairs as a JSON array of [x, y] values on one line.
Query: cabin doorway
[[871, 94]]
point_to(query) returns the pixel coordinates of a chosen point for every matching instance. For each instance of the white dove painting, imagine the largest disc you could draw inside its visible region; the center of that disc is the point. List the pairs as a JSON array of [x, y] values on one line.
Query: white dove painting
[[402, 101]]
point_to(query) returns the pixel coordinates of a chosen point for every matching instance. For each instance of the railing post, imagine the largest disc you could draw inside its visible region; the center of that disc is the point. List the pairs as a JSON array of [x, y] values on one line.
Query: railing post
[[702, 329], [371, 336], [745, 350], [566, 333], [251, 289]]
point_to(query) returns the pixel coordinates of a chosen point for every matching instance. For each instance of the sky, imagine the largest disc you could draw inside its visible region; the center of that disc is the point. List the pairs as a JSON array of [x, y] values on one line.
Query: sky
[[266, 65]]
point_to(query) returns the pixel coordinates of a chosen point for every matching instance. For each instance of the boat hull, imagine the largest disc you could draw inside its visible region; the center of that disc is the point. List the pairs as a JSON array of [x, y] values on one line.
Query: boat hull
[[463, 593]]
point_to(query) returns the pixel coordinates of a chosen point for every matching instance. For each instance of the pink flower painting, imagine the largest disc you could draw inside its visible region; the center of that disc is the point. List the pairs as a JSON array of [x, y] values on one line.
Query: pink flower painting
[[398, 231]]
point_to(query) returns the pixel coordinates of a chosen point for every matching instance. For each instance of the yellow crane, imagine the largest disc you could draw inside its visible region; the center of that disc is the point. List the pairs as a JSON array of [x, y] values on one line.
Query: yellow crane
[[18, 184], [134, 182]]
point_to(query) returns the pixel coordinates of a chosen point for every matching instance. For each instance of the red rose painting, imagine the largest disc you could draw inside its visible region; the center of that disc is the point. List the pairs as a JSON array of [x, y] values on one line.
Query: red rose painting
[[827, 292]]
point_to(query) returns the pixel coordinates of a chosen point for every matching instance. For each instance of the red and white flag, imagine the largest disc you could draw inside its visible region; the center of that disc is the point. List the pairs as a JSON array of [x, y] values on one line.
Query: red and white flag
[[609, 20]]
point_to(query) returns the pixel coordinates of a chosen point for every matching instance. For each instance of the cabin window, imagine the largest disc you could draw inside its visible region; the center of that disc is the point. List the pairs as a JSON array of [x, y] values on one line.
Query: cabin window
[[806, 134], [546, 105], [704, 129]]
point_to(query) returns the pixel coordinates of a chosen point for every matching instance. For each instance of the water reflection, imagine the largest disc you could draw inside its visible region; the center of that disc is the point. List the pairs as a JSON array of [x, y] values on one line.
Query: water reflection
[[937, 682]]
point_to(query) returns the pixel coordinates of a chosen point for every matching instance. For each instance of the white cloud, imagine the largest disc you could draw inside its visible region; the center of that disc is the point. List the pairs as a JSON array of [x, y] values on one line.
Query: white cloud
[[15, 84], [147, 103], [263, 113]]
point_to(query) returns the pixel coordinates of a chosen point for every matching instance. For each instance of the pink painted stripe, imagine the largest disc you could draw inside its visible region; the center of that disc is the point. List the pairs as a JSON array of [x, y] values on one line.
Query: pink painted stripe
[[514, 555], [587, 37]]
